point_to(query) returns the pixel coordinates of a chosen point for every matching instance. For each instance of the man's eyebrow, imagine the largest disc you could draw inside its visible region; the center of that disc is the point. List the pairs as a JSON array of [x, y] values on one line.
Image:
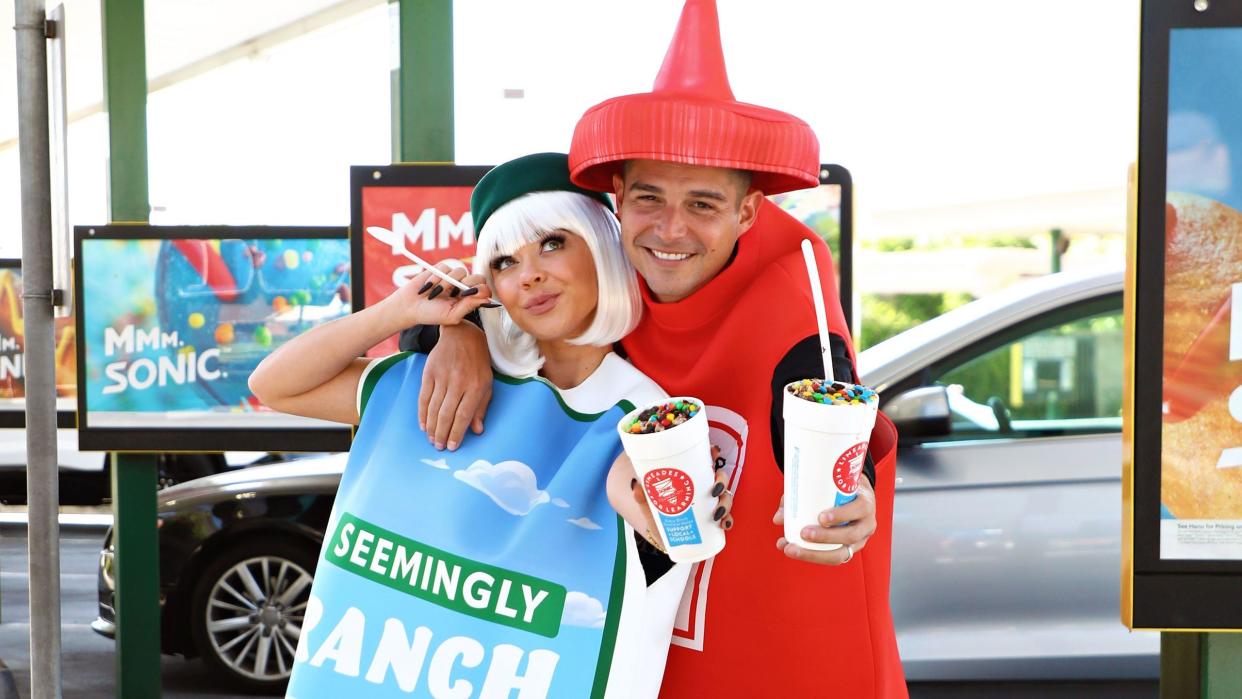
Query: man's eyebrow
[[709, 194], [644, 187]]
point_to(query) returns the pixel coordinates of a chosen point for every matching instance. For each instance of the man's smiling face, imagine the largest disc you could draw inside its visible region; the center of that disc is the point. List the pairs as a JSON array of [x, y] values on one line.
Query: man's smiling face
[[679, 223]]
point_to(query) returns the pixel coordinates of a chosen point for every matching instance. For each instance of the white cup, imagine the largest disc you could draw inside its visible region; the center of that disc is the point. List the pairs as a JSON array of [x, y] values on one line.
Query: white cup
[[675, 470], [825, 447]]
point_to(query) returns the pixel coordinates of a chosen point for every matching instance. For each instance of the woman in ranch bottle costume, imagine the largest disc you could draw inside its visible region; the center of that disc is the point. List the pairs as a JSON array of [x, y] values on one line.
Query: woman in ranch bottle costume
[[728, 318], [500, 567]]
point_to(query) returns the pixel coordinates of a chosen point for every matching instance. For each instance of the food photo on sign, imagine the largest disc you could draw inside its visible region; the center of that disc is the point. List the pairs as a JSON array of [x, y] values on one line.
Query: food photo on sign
[[1201, 431], [13, 343]]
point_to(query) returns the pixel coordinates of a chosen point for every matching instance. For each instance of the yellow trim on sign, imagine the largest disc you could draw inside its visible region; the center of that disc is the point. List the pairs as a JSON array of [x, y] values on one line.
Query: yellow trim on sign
[[1127, 404]]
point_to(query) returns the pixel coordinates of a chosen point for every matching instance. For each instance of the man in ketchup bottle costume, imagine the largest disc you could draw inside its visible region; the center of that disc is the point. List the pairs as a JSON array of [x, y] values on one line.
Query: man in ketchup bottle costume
[[728, 318]]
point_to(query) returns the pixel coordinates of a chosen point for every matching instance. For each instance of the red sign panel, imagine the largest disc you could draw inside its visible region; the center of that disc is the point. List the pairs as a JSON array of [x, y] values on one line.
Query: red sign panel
[[427, 207]]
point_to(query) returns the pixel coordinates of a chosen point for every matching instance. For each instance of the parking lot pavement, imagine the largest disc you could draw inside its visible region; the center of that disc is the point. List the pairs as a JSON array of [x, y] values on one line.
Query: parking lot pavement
[[88, 660]]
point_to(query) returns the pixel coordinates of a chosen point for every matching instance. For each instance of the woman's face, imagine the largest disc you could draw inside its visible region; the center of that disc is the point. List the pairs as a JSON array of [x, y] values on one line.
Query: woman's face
[[549, 286]]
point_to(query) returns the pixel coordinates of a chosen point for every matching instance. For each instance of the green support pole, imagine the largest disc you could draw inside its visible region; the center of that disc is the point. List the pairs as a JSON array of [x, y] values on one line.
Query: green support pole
[[137, 577], [1200, 665], [1222, 665], [1180, 660], [133, 475], [422, 94], [125, 99]]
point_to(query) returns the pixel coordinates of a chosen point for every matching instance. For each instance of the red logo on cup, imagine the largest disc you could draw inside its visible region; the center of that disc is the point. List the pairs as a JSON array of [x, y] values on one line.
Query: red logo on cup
[[669, 490], [848, 467]]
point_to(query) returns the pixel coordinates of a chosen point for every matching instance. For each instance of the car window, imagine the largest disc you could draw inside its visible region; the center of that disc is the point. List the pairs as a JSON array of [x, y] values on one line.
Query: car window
[[1063, 378]]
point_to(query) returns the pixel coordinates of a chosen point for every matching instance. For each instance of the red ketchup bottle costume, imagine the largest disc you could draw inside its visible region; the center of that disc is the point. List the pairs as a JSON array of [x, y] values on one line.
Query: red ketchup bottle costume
[[753, 623]]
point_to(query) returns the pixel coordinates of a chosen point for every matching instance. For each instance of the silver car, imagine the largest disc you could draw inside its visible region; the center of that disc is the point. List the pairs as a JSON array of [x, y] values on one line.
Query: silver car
[[1007, 517]]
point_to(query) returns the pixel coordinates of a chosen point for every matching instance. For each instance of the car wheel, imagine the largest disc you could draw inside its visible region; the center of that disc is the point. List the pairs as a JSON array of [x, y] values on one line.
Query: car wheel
[[248, 609]]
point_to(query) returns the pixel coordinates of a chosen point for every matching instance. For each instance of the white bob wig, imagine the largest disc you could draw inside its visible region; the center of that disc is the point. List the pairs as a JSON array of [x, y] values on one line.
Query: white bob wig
[[527, 219]]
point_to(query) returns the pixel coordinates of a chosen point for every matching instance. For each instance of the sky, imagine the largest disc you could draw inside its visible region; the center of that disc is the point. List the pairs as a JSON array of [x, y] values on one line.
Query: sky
[[930, 105]]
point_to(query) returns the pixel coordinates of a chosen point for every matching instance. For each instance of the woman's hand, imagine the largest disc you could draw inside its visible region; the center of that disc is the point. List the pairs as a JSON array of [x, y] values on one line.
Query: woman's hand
[[428, 300], [638, 512]]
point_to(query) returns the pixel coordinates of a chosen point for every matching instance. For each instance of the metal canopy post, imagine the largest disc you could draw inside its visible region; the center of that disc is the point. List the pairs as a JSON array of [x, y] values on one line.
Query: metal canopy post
[[133, 475], [42, 486], [422, 95]]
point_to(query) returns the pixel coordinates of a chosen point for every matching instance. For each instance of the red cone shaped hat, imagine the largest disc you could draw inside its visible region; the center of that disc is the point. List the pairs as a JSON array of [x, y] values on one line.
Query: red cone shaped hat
[[690, 116]]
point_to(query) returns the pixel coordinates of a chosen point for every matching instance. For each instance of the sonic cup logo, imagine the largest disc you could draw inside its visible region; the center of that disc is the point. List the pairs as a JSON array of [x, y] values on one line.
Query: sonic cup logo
[[848, 467]]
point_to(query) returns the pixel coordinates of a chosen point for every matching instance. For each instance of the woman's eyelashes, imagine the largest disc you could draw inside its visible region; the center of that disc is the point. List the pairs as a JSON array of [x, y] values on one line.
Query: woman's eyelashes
[[552, 241], [549, 243]]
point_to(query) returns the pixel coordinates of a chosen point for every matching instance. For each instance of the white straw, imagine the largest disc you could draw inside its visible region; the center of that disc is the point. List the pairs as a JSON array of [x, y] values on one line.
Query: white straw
[[389, 238], [821, 317]]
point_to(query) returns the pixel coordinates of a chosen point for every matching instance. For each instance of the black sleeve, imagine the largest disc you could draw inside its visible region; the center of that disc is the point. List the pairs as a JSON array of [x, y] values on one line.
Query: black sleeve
[[803, 362], [654, 561], [420, 338], [423, 338]]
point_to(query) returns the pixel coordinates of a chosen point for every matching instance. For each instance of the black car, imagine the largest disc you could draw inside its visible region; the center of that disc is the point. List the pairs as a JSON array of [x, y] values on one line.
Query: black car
[[237, 555]]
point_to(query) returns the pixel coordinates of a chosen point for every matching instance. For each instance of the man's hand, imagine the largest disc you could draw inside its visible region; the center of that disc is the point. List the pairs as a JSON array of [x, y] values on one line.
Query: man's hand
[[860, 516], [457, 386]]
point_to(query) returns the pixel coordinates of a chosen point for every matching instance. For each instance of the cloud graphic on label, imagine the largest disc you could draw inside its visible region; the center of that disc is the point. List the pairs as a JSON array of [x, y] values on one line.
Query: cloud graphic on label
[[583, 610], [584, 523], [510, 484], [560, 503], [437, 463]]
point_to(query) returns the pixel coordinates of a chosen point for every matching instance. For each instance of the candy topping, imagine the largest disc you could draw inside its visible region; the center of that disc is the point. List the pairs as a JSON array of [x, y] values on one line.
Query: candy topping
[[832, 393], [661, 417]]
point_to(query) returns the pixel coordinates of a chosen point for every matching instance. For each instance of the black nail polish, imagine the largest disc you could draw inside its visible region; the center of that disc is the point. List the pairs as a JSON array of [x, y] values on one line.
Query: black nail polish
[[489, 304], [435, 292], [454, 292], [718, 513], [717, 490], [719, 464], [728, 523], [633, 483], [470, 292], [423, 289]]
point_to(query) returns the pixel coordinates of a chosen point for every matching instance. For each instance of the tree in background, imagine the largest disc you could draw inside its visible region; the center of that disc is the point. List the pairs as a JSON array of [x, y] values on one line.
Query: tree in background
[[889, 314]]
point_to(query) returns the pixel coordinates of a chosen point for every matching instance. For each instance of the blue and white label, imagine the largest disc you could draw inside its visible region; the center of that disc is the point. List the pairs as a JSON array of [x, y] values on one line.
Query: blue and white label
[[680, 530]]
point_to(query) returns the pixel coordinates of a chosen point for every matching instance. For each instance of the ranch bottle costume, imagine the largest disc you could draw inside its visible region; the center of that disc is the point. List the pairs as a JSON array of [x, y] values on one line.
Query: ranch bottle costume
[[753, 623], [498, 570]]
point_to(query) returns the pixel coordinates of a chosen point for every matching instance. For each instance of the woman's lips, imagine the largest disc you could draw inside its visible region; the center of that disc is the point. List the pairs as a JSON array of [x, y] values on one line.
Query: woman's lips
[[541, 304]]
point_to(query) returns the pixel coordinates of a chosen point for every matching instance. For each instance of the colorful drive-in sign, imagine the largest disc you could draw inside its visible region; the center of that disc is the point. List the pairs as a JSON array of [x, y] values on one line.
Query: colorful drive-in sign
[[1182, 435], [1201, 431], [173, 320], [13, 344]]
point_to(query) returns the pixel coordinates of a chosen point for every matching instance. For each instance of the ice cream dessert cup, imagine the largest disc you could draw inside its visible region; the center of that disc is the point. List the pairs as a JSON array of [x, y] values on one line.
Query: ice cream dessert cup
[[669, 446]]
